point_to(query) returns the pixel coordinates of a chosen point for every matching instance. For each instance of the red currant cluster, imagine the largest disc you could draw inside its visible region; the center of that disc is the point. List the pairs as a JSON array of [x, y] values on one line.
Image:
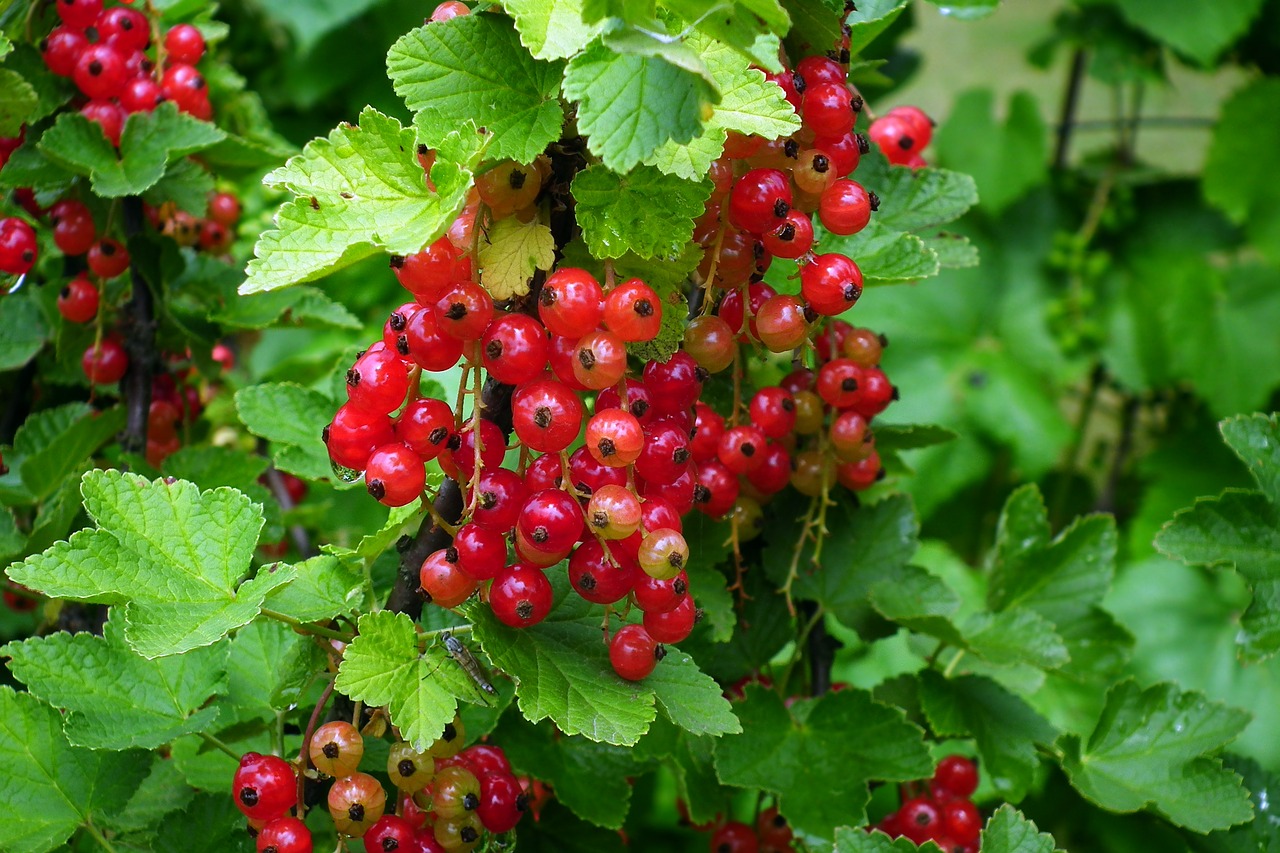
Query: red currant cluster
[[18, 249], [109, 55], [771, 834], [902, 133], [212, 233], [446, 797], [940, 812]]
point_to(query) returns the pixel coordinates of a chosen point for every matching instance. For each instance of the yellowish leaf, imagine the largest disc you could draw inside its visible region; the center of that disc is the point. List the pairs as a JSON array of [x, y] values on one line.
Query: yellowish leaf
[[511, 252]]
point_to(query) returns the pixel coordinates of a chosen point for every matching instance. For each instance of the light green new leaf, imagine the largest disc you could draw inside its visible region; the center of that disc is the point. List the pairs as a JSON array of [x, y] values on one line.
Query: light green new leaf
[[850, 840], [510, 252], [870, 19], [149, 142], [115, 699], [834, 745], [750, 27], [322, 589], [643, 212], [629, 104], [552, 29], [172, 555], [51, 788], [383, 666], [1155, 748], [360, 192], [473, 68], [1008, 831]]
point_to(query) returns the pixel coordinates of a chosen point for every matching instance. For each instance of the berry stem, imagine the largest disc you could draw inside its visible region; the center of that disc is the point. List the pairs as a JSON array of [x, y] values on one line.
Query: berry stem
[[139, 342], [1075, 80], [307, 627], [96, 833], [214, 742]]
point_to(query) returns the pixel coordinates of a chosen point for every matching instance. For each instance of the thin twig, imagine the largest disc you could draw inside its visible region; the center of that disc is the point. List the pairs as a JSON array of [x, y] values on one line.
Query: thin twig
[[1070, 101], [139, 342]]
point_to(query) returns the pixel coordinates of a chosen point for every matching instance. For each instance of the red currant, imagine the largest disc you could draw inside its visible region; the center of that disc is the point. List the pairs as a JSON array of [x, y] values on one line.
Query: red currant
[[774, 472], [502, 494], [653, 595], [773, 411], [678, 493], [378, 381], [124, 28], [551, 521], [100, 71], [18, 249], [663, 553], [62, 49], [354, 434], [957, 775], [846, 207], [665, 453], [107, 258], [547, 416], [734, 837], [759, 199], [740, 448], [336, 749], [465, 310], [717, 488], [429, 345], [394, 474], [427, 274], [919, 125], [614, 437], [514, 348], [78, 300], [602, 576], [675, 384], [600, 360], [105, 362], [831, 283], [109, 116], [425, 425], [862, 474], [919, 819], [264, 787], [633, 311], [894, 136], [443, 581], [571, 302], [284, 835], [482, 553], [79, 13], [184, 44], [710, 342], [356, 802], [521, 596], [962, 820], [502, 802], [830, 109], [613, 512], [73, 229], [782, 323], [793, 237], [633, 653]]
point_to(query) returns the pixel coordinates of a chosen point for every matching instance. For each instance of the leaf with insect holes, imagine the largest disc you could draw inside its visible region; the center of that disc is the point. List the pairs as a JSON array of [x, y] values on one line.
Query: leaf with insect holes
[[510, 252], [360, 192]]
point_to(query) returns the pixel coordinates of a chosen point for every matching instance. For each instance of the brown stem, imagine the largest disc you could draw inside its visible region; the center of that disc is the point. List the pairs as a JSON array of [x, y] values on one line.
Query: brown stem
[[139, 342]]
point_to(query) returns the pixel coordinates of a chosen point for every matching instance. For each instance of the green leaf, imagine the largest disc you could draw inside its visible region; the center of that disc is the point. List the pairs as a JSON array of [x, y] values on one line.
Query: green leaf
[[1256, 440], [17, 102], [911, 436], [1008, 831], [630, 104], [833, 745], [1004, 727], [815, 25], [953, 250], [173, 555], [510, 252], [360, 192], [1153, 748], [163, 792], [115, 699], [185, 183], [884, 254], [211, 824], [562, 672], [870, 19], [50, 787], [551, 29], [1005, 159], [55, 443], [474, 69], [289, 416], [22, 331], [1260, 835], [914, 199], [1200, 31], [323, 589], [750, 27], [383, 666], [643, 212], [967, 10], [268, 667], [313, 21], [874, 841], [150, 141]]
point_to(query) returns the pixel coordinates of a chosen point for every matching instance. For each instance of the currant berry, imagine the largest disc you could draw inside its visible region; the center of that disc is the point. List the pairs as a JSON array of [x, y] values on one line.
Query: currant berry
[[919, 125], [545, 472], [546, 415], [390, 833], [18, 249], [502, 494], [142, 95], [844, 151], [810, 473], [459, 835], [336, 749], [602, 574], [354, 434], [793, 85], [107, 258], [864, 346], [831, 283], [186, 87], [105, 362], [284, 835], [710, 342], [739, 448], [62, 48], [356, 802], [810, 413], [449, 10], [665, 454], [465, 311], [502, 802], [613, 512], [123, 28], [846, 207], [633, 653], [639, 403], [551, 521], [663, 553], [521, 596], [730, 309], [561, 353], [570, 303], [848, 436], [449, 744], [740, 146], [73, 229], [919, 820], [109, 116], [79, 13], [264, 786], [184, 44], [773, 411], [708, 427], [678, 493], [614, 438], [814, 171], [394, 474], [782, 323], [861, 474], [734, 837], [78, 300], [508, 187], [759, 199], [717, 488], [514, 348], [427, 274], [675, 384], [657, 513], [817, 70], [442, 580], [962, 821], [599, 360], [487, 759], [774, 831], [224, 209], [482, 553], [875, 392], [956, 775], [428, 344], [378, 381], [830, 109], [425, 426], [462, 458], [792, 238], [660, 596], [633, 311], [893, 134]]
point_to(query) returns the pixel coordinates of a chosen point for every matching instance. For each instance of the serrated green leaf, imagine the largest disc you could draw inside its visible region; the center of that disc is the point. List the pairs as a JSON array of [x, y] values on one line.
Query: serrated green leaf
[[643, 212], [172, 555], [292, 418], [834, 744], [74, 433], [383, 666], [17, 102], [322, 589], [1006, 160], [1153, 748], [1241, 158], [815, 25], [911, 436], [874, 841], [562, 672], [115, 699], [1004, 727], [692, 160], [1199, 31], [22, 330], [163, 792], [268, 666], [473, 68], [149, 142], [953, 250], [510, 252], [915, 199], [210, 824], [1008, 831], [870, 19], [311, 22], [185, 183], [12, 539], [51, 787], [750, 27], [629, 104], [1260, 835], [360, 192], [883, 254], [551, 29], [1256, 440]]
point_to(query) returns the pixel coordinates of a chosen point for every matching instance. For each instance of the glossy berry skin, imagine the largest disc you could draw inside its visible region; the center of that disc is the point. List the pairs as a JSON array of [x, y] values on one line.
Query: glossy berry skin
[[107, 258], [493, 447], [774, 472], [678, 493], [378, 381], [336, 749], [674, 625], [390, 833], [502, 802], [427, 274], [106, 363], [356, 802], [734, 837], [429, 345], [354, 434], [599, 360], [18, 250], [844, 151], [663, 554], [710, 342], [551, 521], [614, 438], [773, 411], [547, 415], [394, 475], [571, 302], [264, 786], [141, 95], [185, 86], [894, 136], [514, 348], [482, 553], [78, 300], [284, 835], [875, 392], [665, 454], [848, 436], [730, 309], [838, 382], [817, 70], [639, 403], [759, 199], [829, 109], [633, 312], [792, 237], [957, 775], [861, 474], [109, 116], [425, 426], [502, 495], [79, 13], [521, 596], [918, 819], [409, 769], [708, 427], [740, 448], [675, 384], [660, 596], [717, 488], [124, 28], [62, 48], [561, 353], [184, 44], [224, 209], [465, 310], [774, 831], [73, 229], [846, 207], [613, 512], [831, 284], [443, 582], [782, 324], [864, 346], [962, 820], [919, 125], [597, 579], [586, 474], [633, 653], [100, 71]]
